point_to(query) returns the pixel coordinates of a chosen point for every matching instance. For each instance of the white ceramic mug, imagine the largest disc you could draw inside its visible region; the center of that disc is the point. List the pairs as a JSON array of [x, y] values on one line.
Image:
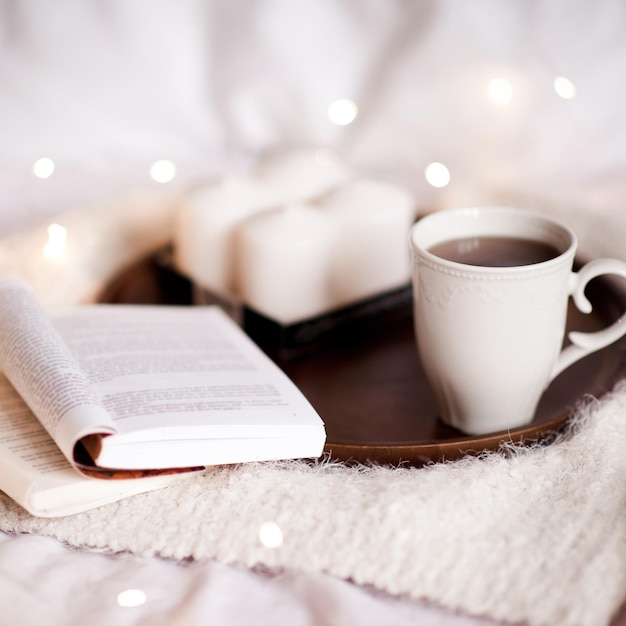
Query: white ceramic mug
[[490, 338]]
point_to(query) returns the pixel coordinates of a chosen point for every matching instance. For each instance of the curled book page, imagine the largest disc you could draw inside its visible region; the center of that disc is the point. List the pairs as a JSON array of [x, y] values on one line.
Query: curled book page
[[44, 372]]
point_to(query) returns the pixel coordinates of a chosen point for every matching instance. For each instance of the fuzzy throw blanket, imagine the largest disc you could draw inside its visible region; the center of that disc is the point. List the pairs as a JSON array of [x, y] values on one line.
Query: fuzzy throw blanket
[[534, 535]]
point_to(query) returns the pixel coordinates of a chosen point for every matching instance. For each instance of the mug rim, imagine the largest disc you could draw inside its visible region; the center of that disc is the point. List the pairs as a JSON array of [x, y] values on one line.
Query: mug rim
[[477, 212]]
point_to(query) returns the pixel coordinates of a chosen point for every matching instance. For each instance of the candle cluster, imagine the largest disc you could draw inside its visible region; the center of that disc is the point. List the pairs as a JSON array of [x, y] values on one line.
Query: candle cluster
[[298, 236]]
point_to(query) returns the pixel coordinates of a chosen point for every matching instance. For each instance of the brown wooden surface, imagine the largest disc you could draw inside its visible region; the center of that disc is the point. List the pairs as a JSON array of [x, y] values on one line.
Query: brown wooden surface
[[371, 391]]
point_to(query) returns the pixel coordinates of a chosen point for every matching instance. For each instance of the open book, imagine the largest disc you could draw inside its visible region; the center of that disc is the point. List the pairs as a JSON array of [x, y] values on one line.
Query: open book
[[121, 391]]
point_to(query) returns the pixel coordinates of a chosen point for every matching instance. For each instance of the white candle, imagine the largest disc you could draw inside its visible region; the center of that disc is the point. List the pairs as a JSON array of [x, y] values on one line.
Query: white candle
[[285, 262], [300, 175], [204, 228], [375, 218]]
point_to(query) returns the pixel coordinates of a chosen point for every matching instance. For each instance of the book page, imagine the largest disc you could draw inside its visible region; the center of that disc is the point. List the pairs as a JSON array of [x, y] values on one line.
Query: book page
[[24, 440], [44, 372], [36, 474], [155, 367]]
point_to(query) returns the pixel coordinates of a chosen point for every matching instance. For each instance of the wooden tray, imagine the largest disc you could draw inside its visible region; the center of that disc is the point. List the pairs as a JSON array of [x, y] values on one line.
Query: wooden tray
[[371, 391]]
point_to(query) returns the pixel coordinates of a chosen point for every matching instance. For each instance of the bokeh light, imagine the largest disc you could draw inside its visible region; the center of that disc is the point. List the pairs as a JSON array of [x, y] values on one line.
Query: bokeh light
[[55, 248], [270, 535], [564, 87], [500, 91], [437, 174], [343, 112], [163, 171], [131, 598], [43, 168]]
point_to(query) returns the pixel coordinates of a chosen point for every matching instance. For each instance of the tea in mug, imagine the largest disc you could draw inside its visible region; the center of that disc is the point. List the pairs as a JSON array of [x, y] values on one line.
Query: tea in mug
[[486, 251]]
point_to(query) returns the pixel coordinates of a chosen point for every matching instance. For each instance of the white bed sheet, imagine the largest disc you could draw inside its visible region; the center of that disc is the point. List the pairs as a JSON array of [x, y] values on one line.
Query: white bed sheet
[[44, 582]]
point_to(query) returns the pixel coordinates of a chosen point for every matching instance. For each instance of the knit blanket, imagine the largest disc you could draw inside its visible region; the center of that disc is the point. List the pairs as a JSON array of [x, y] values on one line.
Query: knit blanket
[[534, 535]]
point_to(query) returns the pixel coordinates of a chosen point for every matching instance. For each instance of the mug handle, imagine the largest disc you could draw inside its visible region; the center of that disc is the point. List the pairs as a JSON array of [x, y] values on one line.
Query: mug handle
[[583, 344]]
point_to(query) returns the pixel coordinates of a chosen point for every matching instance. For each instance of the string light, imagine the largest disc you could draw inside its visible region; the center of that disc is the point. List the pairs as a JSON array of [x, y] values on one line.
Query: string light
[[55, 248], [343, 112], [131, 598], [564, 87], [163, 171], [437, 174], [325, 156], [270, 535], [43, 168], [499, 91]]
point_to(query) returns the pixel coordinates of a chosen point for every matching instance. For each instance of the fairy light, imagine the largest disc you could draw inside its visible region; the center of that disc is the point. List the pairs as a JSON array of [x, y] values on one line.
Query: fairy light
[[437, 174], [43, 168], [270, 535], [131, 598], [499, 91], [326, 156], [163, 171], [343, 112], [564, 87], [56, 245]]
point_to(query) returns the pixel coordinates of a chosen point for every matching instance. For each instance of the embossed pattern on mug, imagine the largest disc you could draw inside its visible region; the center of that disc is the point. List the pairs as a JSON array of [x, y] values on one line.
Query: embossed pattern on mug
[[502, 291]]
